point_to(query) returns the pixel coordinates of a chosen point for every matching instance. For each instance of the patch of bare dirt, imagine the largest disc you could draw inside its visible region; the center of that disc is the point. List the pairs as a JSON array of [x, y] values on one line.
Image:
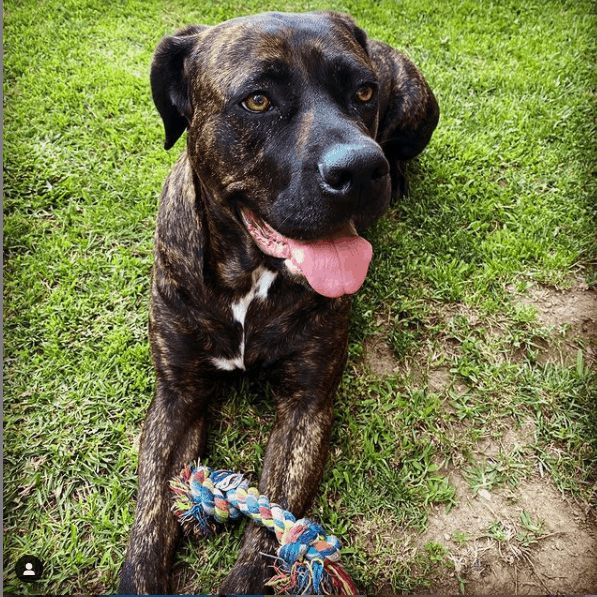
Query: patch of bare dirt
[[379, 358], [573, 315], [496, 554], [512, 438], [439, 379], [491, 550], [576, 306]]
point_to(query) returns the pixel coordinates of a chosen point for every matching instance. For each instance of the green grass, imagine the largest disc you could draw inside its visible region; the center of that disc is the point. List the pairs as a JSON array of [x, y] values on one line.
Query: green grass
[[504, 199]]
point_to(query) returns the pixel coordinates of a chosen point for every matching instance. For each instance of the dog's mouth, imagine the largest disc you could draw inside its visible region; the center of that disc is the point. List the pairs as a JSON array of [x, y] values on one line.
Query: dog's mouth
[[333, 265]]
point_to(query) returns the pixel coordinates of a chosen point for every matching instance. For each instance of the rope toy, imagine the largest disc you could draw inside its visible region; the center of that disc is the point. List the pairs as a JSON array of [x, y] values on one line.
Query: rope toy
[[309, 560]]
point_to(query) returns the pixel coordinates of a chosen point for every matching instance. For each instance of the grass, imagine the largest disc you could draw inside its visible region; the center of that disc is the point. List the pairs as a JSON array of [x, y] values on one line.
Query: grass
[[503, 201]]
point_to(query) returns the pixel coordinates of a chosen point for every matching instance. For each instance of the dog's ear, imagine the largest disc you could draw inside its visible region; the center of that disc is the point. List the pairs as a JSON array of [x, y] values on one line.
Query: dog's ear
[[348, 23], [408, 110], [169, 81]]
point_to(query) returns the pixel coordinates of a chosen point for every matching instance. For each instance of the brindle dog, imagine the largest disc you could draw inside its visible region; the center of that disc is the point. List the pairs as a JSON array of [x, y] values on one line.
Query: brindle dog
[[298, 127]]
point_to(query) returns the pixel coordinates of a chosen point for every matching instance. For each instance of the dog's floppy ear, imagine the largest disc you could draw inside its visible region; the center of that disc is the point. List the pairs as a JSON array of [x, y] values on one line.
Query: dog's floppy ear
[[169, 82], [348, 23], [408, 110]]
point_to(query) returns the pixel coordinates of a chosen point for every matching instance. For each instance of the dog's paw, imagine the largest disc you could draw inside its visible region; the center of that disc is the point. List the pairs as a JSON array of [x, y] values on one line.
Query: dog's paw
[[253, 567], [248, 577]]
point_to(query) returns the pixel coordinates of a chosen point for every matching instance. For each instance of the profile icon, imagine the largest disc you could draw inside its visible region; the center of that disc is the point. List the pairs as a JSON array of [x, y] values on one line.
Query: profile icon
[[29, 569]]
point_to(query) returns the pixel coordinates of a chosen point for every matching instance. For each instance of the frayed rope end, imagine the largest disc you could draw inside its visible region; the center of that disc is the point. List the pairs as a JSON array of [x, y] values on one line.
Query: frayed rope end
[[311, 577]]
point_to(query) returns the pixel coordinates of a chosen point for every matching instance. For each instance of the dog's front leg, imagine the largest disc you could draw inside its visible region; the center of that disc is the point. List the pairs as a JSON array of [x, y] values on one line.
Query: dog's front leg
[[174, 434], [294, 460]]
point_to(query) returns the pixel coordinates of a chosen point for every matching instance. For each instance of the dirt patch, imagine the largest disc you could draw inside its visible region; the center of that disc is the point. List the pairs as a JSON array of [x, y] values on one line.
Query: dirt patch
[[513, 437], [528, 541], [379, 358], [525, 542], [573, 316], [576, 307], [439, 380]]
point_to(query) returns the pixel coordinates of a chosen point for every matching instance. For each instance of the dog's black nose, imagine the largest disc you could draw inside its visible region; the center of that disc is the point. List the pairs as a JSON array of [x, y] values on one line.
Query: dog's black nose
[[347, 171]]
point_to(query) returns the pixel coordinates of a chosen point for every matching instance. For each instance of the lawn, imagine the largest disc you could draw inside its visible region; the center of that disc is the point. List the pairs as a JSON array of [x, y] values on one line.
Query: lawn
[[464, 451]]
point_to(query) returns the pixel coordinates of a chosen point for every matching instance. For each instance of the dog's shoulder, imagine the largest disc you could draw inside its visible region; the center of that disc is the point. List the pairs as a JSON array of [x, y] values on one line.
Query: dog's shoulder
[[180, 230], [179, 221]]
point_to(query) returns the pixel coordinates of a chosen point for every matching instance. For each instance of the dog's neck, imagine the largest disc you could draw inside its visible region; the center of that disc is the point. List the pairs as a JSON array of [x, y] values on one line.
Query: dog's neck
[[231, 255]]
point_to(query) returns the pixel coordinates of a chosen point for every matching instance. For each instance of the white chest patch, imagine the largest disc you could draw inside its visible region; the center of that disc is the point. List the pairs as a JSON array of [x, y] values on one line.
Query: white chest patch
[[262, 280]]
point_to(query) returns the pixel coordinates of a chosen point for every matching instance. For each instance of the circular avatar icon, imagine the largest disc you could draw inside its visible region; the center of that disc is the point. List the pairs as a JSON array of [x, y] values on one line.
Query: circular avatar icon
[[29, 569]]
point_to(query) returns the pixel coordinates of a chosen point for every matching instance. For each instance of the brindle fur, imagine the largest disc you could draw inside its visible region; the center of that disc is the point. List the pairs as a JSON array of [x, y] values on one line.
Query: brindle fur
[[205, 260]]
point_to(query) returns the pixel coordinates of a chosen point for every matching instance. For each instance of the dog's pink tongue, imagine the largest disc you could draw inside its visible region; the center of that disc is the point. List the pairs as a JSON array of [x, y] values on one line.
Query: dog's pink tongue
[[333, 266]]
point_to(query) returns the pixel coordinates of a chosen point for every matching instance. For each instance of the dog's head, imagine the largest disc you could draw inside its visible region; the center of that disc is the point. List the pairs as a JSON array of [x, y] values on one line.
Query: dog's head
[[297, 125]]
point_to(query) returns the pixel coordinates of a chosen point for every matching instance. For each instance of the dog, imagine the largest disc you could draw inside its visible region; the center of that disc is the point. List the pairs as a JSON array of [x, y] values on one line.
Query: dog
[[298, 127]]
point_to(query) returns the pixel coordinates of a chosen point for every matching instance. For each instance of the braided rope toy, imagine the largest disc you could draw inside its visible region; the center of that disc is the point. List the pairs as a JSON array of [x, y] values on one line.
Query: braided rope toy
[[309, 560]]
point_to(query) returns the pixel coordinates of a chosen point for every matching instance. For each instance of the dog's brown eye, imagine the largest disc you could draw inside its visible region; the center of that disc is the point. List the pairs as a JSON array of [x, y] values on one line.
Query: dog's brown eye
[[364, 93], [258, 102]]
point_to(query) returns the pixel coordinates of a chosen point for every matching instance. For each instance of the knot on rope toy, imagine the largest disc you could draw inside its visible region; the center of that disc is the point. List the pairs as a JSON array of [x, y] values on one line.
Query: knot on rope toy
[[308, 560]]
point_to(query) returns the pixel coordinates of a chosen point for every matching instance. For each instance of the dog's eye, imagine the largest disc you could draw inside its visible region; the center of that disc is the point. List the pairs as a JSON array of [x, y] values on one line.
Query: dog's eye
[[257, 102], [364, 93]]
